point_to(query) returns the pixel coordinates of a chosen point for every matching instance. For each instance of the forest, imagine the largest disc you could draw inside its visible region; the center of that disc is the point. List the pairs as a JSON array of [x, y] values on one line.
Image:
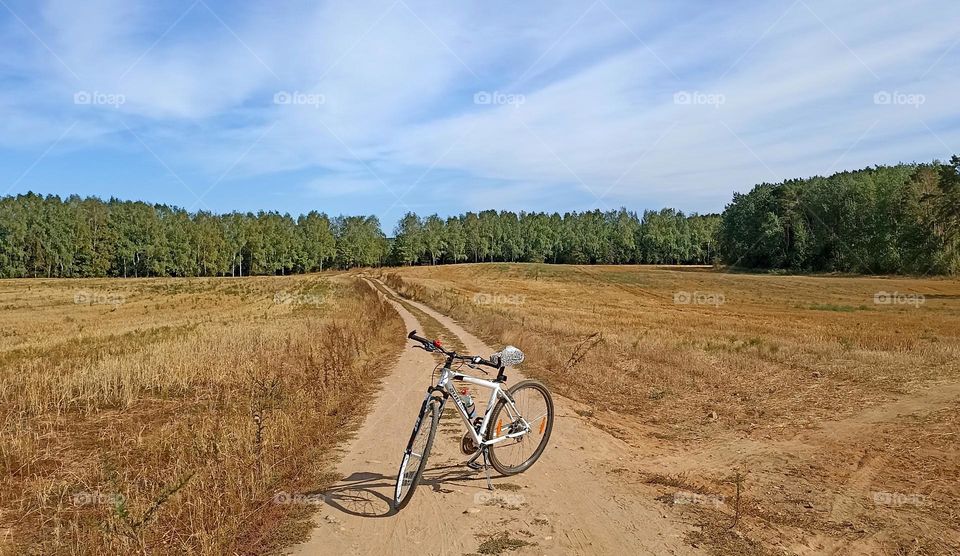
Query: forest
[[886, 219], [902, 219]]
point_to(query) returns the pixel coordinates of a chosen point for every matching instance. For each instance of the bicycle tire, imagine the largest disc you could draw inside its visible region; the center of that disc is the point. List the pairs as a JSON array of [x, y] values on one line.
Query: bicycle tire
[[497, 463], [429, 416]]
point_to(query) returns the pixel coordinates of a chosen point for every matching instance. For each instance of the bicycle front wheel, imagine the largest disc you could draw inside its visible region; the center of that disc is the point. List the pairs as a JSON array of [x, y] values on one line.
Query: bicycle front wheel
[[415, 457], [534, 413]]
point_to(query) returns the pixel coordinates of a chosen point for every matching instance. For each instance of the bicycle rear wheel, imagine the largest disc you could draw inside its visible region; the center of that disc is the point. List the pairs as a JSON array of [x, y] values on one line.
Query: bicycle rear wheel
[[515, 455], [415, 457]]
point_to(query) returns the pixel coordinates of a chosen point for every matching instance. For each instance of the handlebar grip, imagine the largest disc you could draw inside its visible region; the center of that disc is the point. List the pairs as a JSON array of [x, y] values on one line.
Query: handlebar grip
[[487, 362], [413, 336]]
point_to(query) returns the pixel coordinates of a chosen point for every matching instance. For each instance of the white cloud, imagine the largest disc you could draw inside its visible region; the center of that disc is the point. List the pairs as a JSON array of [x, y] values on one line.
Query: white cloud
[[398, 78]]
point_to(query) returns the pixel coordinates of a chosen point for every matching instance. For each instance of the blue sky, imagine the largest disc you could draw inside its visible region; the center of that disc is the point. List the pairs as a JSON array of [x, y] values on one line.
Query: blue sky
[[387, 106]]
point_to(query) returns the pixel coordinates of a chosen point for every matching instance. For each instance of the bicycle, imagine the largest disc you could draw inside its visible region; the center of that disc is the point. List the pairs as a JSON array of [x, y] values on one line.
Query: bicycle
[[512, 435]]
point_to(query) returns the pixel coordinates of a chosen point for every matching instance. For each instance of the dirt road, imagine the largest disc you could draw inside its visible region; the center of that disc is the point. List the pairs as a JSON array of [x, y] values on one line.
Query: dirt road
[[567, 503]]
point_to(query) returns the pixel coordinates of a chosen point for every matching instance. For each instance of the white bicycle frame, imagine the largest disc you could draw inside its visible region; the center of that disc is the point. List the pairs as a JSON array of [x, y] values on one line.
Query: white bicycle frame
[[446, 383], [517, 427]]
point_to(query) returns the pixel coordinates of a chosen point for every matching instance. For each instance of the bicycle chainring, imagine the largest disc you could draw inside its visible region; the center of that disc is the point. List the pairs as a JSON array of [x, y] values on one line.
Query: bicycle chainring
[[467, 444]]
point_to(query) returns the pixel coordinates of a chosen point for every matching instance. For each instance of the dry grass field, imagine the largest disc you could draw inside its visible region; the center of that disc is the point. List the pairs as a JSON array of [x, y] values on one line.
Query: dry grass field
[[819, 414], [164, 415], [779, 414]]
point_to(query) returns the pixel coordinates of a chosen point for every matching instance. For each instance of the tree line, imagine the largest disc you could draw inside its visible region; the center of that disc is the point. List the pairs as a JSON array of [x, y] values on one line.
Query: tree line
[[46, 236], [593, 237], [83, 237], [887, 219]]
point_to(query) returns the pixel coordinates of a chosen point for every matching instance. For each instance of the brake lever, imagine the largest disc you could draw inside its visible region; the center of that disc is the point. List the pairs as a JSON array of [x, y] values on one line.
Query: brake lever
[[472, 366]]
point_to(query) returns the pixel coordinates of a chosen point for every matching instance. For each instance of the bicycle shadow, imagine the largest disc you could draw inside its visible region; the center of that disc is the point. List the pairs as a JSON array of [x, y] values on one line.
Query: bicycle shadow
[[370, 494], [362, 494]]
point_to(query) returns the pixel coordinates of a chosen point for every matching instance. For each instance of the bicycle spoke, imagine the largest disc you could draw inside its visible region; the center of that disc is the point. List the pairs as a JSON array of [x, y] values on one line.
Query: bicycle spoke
[[537, 418], [415, 457], [516, 452]]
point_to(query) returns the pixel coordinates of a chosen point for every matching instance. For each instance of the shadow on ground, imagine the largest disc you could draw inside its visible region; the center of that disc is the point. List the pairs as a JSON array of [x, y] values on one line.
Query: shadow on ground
[[368, 494]]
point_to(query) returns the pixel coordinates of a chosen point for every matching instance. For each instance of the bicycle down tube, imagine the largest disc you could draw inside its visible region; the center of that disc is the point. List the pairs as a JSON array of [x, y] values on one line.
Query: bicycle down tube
[[447, 378]]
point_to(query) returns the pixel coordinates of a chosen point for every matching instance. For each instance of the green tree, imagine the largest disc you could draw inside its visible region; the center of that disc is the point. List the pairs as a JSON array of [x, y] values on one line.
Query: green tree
[[317, 241], [408, 245], [455, 240], [434, 242]]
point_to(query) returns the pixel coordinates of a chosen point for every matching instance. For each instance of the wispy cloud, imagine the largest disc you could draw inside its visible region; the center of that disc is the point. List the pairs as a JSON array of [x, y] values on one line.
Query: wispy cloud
[[543, 105]]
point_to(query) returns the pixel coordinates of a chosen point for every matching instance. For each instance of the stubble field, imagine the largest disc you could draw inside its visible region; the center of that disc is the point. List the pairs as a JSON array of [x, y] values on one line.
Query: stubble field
[[170, 416], [829, 403], [774, 414]]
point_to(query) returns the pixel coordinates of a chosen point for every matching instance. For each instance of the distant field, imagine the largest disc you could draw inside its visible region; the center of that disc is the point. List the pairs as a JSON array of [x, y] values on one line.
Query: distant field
[[167, 413], [836, 396]]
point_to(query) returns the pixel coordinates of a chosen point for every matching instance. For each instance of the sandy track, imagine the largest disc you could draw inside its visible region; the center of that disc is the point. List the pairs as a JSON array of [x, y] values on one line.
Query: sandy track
[[567, 503]]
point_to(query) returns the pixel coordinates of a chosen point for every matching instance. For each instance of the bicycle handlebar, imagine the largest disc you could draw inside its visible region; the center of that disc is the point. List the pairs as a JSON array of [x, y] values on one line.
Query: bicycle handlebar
[[413, 336], [434, 345]]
